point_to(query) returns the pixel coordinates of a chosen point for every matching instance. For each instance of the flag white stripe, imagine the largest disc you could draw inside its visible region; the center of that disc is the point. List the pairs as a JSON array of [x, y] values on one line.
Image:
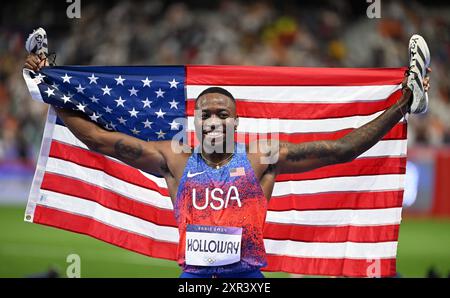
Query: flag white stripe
[[302, 94], [103, 180], [386, 148], [107, 216], [265, 125], [340, 184], [349, 250], [342, 217]]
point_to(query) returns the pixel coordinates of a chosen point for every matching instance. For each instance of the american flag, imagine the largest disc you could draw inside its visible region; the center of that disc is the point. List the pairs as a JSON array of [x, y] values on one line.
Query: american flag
[[340, 220]]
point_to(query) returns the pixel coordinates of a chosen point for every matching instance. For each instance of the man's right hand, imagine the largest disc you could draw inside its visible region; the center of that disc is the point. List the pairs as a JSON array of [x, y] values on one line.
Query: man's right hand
[[35, 62]]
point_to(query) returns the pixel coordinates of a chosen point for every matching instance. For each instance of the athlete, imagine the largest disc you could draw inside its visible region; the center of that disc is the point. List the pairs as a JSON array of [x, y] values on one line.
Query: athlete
[[220, 189]]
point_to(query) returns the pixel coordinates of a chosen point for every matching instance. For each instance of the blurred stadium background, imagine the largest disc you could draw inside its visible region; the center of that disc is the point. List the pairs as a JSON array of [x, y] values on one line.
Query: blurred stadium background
[[303, 33]]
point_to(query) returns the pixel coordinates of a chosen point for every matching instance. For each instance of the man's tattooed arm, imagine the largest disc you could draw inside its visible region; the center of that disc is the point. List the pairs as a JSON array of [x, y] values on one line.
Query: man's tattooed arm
[[295, 158], [146, 156], [126, 151]]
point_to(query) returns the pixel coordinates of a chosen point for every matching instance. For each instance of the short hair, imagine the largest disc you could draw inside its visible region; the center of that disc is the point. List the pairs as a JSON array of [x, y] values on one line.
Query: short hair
[[219, 90]]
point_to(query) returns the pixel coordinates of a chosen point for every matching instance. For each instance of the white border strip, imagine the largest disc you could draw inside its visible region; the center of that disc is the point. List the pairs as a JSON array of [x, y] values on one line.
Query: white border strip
[[35, 190]]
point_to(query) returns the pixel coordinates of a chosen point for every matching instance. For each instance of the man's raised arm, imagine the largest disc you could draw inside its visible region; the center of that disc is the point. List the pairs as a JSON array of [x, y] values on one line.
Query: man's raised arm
[[146, 156], [294, 158]]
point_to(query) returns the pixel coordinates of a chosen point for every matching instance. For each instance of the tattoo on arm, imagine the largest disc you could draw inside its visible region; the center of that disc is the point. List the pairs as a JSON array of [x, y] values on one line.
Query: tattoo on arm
[[127, 152], [324, 150]]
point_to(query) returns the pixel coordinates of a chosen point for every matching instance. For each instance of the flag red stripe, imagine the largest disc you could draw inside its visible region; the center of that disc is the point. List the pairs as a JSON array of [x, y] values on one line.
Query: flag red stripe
[[291, 76], [357, 167], [252, 109], [398, 132], [338, 200], [88, 226], [108, 199], [332, 267], [99, 162], [305, 233]]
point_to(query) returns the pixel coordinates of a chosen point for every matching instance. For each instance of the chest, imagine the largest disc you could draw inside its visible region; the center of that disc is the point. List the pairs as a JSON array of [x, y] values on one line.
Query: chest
[[265, 177]]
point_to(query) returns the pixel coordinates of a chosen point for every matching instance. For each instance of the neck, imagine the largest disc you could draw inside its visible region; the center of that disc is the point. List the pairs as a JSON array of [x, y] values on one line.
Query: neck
[[217, 158]]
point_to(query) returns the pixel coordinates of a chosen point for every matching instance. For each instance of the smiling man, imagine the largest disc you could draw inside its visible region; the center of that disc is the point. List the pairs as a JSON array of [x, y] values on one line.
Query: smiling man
[[220, 189]]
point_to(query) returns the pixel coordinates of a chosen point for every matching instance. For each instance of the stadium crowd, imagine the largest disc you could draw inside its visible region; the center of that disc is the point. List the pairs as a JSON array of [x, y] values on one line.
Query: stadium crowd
[[226, 32]]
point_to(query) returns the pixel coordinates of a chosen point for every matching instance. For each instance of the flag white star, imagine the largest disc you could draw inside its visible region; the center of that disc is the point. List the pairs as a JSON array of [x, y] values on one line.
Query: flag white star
[[133, 113], [50, 92], [146, 102], [174, 125], [159, 93], [80, 89], [146, 82], [135, 131], [106, 90], [94, 117], [81, 106], [112, 125], [54, 85], [173, 84], [133, 91], [65, 98], [94, 99], [93, 79], [119, 80], [108, 109], [66, 78], [160, 114], [173, 104], [120, 101], [39, 78], [160, 134], [147, 124], [121, 120]]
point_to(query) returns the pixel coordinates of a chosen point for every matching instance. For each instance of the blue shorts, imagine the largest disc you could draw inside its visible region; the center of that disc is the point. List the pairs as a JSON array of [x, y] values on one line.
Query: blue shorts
[[249, 274]]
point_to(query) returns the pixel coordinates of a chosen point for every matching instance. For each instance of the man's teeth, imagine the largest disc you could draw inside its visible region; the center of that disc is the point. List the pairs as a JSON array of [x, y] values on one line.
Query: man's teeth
[[214, 133]]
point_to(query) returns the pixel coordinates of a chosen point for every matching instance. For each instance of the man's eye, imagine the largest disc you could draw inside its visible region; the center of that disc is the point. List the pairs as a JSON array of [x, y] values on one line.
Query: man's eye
[[204, 116], [223, 115]]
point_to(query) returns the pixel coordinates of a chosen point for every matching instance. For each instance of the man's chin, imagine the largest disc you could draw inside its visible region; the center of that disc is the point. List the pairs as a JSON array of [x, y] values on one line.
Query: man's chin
[[216, 144]]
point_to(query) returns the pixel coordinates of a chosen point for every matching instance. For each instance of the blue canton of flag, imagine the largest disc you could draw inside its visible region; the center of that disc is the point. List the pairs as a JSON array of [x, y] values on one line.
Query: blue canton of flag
[[145, 102]]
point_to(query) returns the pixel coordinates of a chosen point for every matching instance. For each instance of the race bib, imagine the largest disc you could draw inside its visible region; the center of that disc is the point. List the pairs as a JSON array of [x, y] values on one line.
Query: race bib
[[212, 246]]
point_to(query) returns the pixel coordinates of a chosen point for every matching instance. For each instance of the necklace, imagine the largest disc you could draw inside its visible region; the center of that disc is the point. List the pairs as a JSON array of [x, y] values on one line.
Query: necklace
[[217, 164]]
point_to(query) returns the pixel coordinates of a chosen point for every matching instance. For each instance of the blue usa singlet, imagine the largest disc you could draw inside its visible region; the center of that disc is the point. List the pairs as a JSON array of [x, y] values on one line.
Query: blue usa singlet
[[220, 215]]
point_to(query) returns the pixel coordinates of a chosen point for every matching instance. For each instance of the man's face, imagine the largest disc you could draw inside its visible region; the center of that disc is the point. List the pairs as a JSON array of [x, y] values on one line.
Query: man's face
[[215, 121]]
